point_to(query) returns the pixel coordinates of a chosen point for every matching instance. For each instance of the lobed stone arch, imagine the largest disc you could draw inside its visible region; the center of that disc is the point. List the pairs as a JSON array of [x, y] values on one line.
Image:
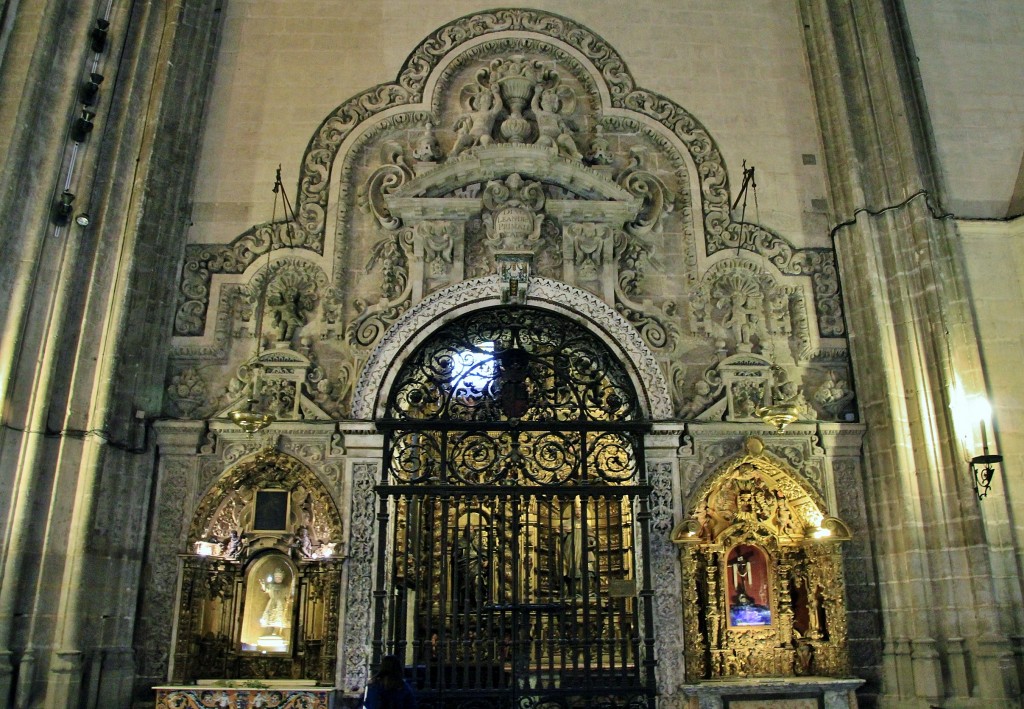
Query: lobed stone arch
[[224, 504], [404, 336]]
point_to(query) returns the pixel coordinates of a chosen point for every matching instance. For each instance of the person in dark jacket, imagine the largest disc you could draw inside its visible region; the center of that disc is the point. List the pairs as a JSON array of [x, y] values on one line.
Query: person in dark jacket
[[388, 688]]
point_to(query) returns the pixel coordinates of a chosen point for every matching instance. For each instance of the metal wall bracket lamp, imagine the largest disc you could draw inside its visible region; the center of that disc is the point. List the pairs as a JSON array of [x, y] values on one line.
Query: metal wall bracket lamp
[[983, 467]]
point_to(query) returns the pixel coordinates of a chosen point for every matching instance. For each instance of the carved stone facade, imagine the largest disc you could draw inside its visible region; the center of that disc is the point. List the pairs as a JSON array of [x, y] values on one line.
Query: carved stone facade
[[490, 171], [526, 168], [515, 162]]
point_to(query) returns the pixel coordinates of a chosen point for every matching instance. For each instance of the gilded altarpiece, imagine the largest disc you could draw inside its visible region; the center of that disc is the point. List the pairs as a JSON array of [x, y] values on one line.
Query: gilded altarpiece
[[260, 582], [763, 586]]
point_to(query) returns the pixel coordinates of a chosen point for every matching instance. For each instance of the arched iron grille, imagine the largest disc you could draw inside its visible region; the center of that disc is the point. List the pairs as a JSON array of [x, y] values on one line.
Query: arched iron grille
[[515, 505]]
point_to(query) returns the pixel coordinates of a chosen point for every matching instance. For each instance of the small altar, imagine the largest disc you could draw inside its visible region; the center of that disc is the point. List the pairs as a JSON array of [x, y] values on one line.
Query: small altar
[[770, 693], [246, 694]]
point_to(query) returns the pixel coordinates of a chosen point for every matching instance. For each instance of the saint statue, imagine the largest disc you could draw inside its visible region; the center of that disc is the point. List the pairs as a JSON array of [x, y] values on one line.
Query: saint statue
[[473, 567], [579, 561], [276, 614], [741, 576]]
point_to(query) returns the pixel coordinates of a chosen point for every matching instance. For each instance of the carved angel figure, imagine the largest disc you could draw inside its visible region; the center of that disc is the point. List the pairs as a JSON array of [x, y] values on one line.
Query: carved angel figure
[[552, 127], [474, 128]]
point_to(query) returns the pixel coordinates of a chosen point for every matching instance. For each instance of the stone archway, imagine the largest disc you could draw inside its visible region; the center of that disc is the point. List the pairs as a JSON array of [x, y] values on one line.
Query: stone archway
[[514, 506], [595, 314]]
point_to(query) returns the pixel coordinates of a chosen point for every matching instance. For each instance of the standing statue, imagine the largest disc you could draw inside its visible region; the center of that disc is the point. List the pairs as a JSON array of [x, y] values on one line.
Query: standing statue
[[579, 562], [473, 566], [741, 576], [276, 615], [475, 127], [742, 319]]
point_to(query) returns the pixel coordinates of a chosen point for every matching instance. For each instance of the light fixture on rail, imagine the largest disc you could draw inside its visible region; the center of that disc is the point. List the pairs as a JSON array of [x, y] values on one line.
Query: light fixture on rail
[[249, 417]]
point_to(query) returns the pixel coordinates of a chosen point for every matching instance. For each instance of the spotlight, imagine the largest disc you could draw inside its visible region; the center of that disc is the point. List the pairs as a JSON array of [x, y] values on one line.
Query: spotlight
[[91, 89], [99, 35], [62, 210], [82, 126], [83, 219]]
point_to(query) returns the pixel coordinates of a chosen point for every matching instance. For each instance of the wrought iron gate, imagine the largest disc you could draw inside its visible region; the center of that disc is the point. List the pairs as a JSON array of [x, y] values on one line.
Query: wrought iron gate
[[514, 504]]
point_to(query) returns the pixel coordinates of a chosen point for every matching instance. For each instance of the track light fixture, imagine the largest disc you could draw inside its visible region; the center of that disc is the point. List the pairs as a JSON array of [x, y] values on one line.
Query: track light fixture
[[62, 210], [91, 89], [82, 126], [99, 35]]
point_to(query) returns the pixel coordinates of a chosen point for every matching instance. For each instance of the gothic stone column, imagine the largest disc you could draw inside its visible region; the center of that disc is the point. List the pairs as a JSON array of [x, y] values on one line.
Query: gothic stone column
[[912, 338]]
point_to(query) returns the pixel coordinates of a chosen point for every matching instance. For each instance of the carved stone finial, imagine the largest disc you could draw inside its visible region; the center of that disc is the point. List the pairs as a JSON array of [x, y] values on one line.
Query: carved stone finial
[[600, 148], [427, 149], [519, 78]]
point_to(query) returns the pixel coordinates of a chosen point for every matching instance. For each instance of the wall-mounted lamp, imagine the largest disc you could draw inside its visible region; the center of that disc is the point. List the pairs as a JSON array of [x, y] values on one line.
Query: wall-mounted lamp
[[63, 208], [82, 126], [91, 89], [83, 219], [99, 35], [970, 415], [983, 466]]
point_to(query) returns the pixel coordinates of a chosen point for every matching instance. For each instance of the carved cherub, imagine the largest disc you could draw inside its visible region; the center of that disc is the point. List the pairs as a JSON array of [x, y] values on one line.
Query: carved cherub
[[553, 129], [474, 128]]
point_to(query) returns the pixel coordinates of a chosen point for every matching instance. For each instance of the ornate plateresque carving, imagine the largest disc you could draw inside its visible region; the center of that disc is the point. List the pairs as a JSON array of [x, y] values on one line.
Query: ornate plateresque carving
[[487, 291], [538, 97], [360, 589]]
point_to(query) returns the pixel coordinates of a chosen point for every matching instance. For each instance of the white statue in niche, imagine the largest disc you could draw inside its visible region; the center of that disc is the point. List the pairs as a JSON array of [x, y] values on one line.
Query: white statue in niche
[[269, 606], [275, 614]]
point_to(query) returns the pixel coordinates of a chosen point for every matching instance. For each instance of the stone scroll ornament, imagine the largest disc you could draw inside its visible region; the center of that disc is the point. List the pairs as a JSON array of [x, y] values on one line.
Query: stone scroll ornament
[[511, 84]]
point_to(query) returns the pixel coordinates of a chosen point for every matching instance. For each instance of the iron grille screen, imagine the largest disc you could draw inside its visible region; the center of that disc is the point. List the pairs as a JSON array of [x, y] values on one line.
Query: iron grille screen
[[514, 503]]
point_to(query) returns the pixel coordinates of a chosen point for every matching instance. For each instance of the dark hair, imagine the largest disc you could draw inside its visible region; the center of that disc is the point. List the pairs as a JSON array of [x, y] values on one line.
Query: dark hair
[[389, 674]]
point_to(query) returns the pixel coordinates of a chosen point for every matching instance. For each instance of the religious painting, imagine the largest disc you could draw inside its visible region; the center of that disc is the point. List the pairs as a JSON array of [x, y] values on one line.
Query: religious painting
[[271, 511], [747, 584], [269, 604]]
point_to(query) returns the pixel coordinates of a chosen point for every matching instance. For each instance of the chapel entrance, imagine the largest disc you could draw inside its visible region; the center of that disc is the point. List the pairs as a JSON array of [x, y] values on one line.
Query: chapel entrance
[[514, 501]]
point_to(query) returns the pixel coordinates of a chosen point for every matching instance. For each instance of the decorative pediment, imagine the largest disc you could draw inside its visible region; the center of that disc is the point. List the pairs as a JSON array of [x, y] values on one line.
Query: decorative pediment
[[282, 374], [494, 161]]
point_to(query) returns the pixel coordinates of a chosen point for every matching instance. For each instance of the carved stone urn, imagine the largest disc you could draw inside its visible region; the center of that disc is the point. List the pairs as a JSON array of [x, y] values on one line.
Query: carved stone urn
[[517, 78]]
